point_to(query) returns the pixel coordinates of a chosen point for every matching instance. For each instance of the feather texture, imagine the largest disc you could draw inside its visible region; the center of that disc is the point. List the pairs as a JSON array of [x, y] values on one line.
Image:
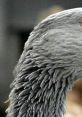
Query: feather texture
[[48, 67]]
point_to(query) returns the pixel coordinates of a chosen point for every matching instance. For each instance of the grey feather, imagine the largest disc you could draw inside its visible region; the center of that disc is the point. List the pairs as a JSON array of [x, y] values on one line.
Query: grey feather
[[48, 67]]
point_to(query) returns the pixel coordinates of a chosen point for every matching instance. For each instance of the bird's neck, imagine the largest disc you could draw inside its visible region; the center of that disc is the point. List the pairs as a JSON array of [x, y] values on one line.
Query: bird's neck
[[52, 87], [55, 97], [42, 91]]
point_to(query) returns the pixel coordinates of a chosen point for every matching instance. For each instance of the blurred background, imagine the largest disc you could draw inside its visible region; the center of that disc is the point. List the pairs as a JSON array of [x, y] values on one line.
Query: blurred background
[[17, 19]]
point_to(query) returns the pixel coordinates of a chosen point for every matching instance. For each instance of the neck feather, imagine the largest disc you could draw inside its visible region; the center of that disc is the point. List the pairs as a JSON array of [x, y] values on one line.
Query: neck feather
[[39, 91]]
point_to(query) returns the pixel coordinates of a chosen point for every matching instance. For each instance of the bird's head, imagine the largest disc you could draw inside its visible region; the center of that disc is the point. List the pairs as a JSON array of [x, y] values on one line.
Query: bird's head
[[59, 39]]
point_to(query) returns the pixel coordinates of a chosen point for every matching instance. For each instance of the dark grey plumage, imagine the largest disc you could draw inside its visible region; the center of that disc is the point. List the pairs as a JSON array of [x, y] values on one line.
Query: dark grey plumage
[[48, 67]]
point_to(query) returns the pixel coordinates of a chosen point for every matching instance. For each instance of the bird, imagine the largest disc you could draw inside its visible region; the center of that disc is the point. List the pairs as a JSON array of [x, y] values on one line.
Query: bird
[[50, 64]]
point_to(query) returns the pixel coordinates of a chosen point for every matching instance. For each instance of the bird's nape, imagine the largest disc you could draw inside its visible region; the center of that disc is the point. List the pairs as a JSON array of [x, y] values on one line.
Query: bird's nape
[[48, 67]]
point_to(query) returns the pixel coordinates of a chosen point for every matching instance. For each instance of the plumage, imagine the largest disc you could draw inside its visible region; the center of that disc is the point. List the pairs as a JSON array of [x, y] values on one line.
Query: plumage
[[48, 67]]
